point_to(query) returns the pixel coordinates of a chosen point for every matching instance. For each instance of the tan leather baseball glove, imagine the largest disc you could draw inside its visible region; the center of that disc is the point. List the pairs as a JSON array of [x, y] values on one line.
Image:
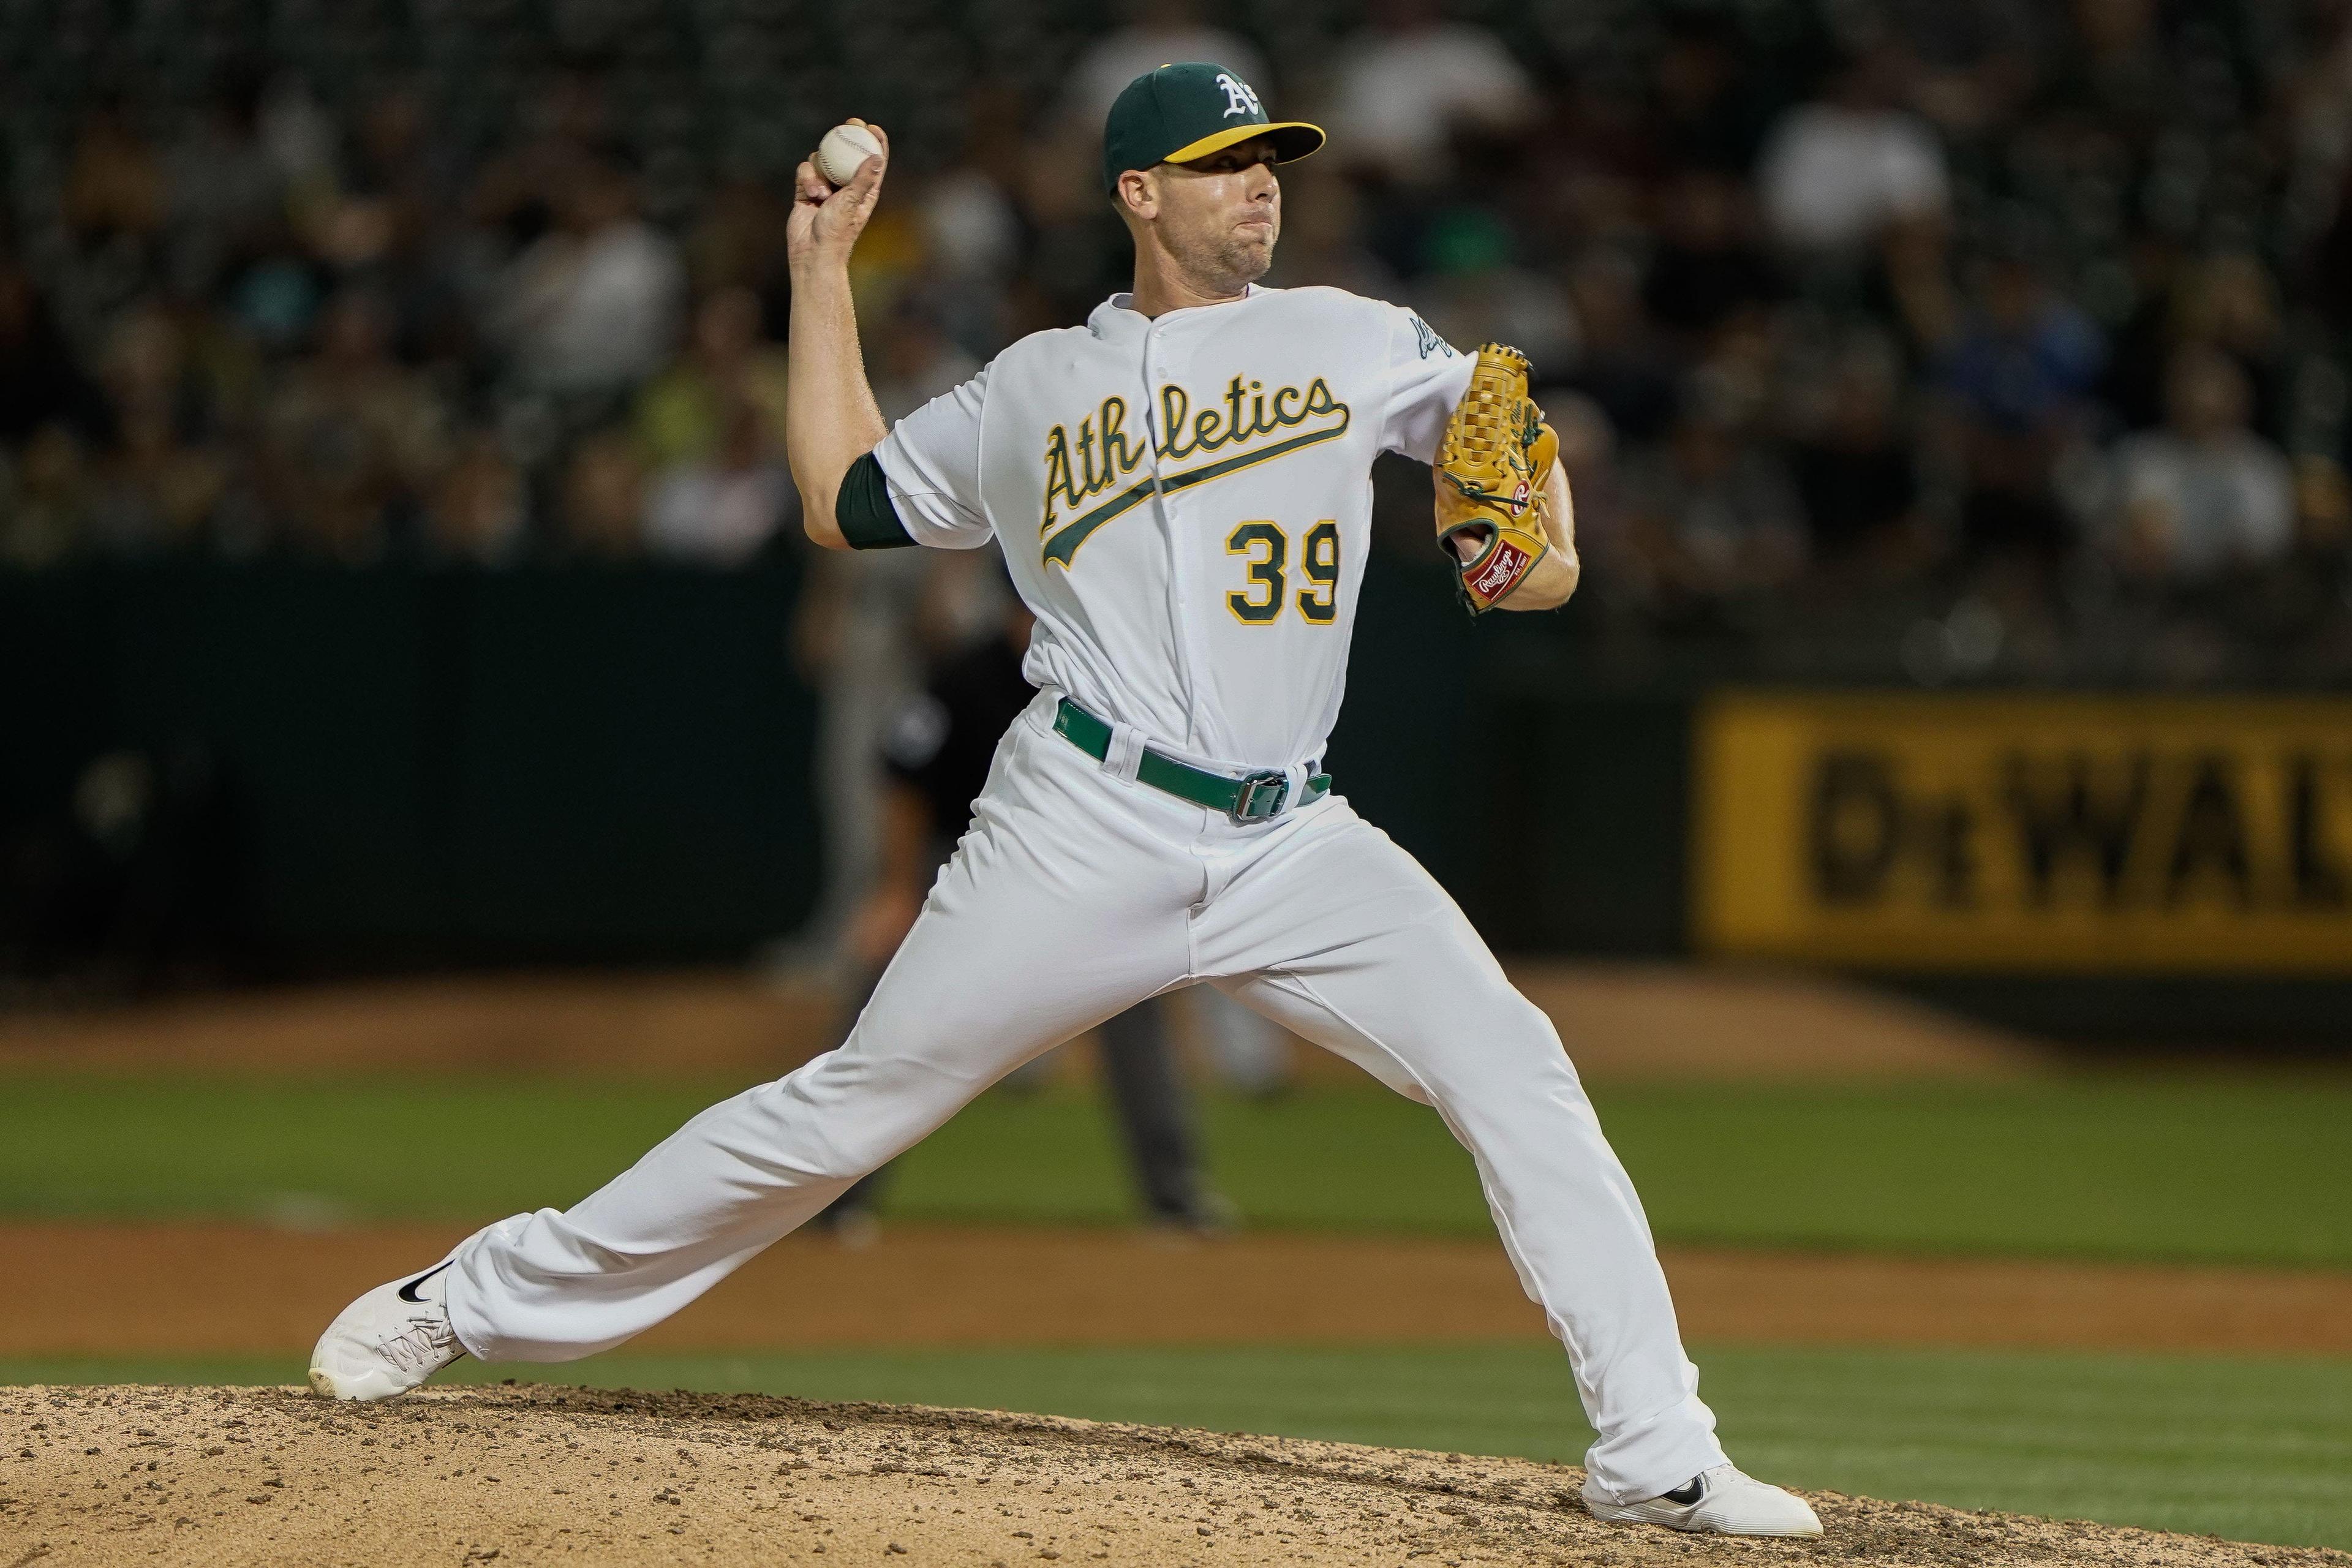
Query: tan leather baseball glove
[[1492, 465]]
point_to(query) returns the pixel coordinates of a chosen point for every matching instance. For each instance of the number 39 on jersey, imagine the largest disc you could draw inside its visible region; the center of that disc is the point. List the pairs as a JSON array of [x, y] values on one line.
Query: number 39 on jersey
[[1268, 594]]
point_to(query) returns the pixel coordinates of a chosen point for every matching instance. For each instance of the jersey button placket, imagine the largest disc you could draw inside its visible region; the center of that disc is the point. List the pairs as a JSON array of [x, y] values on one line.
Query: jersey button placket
[[1155, 371]]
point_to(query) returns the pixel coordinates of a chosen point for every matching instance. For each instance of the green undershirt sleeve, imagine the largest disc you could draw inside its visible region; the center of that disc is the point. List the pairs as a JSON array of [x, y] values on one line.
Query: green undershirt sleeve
[[863, 510]]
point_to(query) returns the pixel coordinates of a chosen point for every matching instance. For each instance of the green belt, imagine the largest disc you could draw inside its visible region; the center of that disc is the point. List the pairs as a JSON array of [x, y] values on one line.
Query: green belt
[[1252, 798]]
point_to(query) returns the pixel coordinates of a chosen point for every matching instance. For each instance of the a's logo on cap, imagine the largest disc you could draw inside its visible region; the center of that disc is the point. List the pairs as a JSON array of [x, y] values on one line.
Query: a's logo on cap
[[1239, 97]]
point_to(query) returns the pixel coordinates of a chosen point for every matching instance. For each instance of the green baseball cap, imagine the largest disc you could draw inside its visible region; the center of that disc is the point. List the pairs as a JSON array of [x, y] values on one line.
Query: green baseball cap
[[1181, 113]]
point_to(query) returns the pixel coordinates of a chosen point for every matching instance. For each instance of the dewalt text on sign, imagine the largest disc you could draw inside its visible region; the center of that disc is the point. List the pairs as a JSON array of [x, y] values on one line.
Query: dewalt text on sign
[[2062, 833]]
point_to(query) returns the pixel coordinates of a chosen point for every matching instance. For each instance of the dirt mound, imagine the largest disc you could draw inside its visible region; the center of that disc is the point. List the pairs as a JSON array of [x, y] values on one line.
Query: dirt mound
[[455, 1476]]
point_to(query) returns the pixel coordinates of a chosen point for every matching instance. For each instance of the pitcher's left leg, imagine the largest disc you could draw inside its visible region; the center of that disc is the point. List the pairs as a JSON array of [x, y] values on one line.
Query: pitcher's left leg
[[1341, 937]]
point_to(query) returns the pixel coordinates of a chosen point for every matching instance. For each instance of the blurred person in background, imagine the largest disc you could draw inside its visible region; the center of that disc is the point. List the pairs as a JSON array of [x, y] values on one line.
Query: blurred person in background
[[1475, 291], [1621, 362], [274, 296], [1324, 239], [974, 234], [164, 481], [386, 221], [722, 508], [1855, 469], [1836, 173], [1751, 363], [226, 191], [2294, 607], [114, 203], [518, 191], [2226, 301], [2318, 108], [737, 241], [917, 361], [1073, 242], [1248, 1054], [1713, 512], [1972, 65], [158, 492], [1153, 33], [2205, 495], [41, 380], [602, 497], [2330, 266], [479, 514], [354, 440], [44, 509], [2120, 72], [298, 132], [591, 308], [729, 362], [860, 637], [1708, 264], [1710, 99], [2018, 375], [139, 876], [936, 754], [1407, 86]]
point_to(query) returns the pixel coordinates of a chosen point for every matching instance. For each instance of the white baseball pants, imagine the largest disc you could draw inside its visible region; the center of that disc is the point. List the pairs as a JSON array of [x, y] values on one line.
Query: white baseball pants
[[1075, 895]]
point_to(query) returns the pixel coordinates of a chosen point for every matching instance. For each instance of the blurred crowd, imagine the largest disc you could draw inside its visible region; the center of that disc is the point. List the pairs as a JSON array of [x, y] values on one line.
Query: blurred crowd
[[1961, 339]]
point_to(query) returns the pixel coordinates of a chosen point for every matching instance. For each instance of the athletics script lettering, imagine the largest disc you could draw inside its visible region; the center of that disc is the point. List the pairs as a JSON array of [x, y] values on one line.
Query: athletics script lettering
[[1087, 474]]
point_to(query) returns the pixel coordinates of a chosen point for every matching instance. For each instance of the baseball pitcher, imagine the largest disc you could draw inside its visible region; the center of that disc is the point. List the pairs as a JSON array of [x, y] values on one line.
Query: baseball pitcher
[[1181, 490]]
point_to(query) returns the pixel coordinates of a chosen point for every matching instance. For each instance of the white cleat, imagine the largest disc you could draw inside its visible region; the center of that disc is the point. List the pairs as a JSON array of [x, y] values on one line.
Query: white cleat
[[1720, 1502], [388, 1340]]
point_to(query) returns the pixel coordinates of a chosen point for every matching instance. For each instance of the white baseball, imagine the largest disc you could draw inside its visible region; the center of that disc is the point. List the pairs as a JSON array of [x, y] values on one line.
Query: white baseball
[[843, 150]]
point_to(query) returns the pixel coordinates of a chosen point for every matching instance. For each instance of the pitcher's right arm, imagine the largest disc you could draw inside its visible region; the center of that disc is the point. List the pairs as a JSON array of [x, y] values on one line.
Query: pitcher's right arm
[[830, 419]]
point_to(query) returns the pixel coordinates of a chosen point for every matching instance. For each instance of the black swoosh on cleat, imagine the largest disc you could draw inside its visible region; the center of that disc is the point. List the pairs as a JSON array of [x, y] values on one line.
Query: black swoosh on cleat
[[408, 1291]]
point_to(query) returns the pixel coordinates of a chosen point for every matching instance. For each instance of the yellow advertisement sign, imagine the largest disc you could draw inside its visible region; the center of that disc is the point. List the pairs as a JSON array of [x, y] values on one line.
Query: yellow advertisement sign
[[2026, 833]]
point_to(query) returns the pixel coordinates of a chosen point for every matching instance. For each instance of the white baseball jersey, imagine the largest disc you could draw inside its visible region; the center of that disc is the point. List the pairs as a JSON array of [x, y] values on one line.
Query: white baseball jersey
[[1185, 502]]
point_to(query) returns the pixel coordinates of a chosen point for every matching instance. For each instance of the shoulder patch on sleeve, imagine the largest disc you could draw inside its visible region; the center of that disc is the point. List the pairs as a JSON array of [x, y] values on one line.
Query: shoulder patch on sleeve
[[1426, 340]]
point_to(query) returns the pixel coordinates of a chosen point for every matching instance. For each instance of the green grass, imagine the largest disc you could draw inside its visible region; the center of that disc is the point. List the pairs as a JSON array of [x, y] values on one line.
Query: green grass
[[2247, 1169], [2255, 1449]]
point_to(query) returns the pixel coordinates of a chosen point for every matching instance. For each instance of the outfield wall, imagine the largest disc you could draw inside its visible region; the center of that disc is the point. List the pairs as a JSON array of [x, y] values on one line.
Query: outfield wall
[[415, 766], [430, 767]]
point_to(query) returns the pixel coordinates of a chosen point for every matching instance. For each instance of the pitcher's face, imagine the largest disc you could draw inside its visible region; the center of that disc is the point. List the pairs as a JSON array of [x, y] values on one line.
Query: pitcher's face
[[1220, 215]]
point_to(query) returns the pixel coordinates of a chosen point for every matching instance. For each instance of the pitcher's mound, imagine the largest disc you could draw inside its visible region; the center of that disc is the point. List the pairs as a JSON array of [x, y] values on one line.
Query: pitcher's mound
[[546, 1475]]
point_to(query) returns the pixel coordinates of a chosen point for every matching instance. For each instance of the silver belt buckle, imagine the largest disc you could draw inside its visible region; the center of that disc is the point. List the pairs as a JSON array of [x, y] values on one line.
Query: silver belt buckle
[[1270, 788]]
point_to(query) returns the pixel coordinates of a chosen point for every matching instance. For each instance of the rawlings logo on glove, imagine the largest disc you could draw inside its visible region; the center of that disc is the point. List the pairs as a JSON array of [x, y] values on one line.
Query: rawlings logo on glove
[[1494, 460], [1506, 564]]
